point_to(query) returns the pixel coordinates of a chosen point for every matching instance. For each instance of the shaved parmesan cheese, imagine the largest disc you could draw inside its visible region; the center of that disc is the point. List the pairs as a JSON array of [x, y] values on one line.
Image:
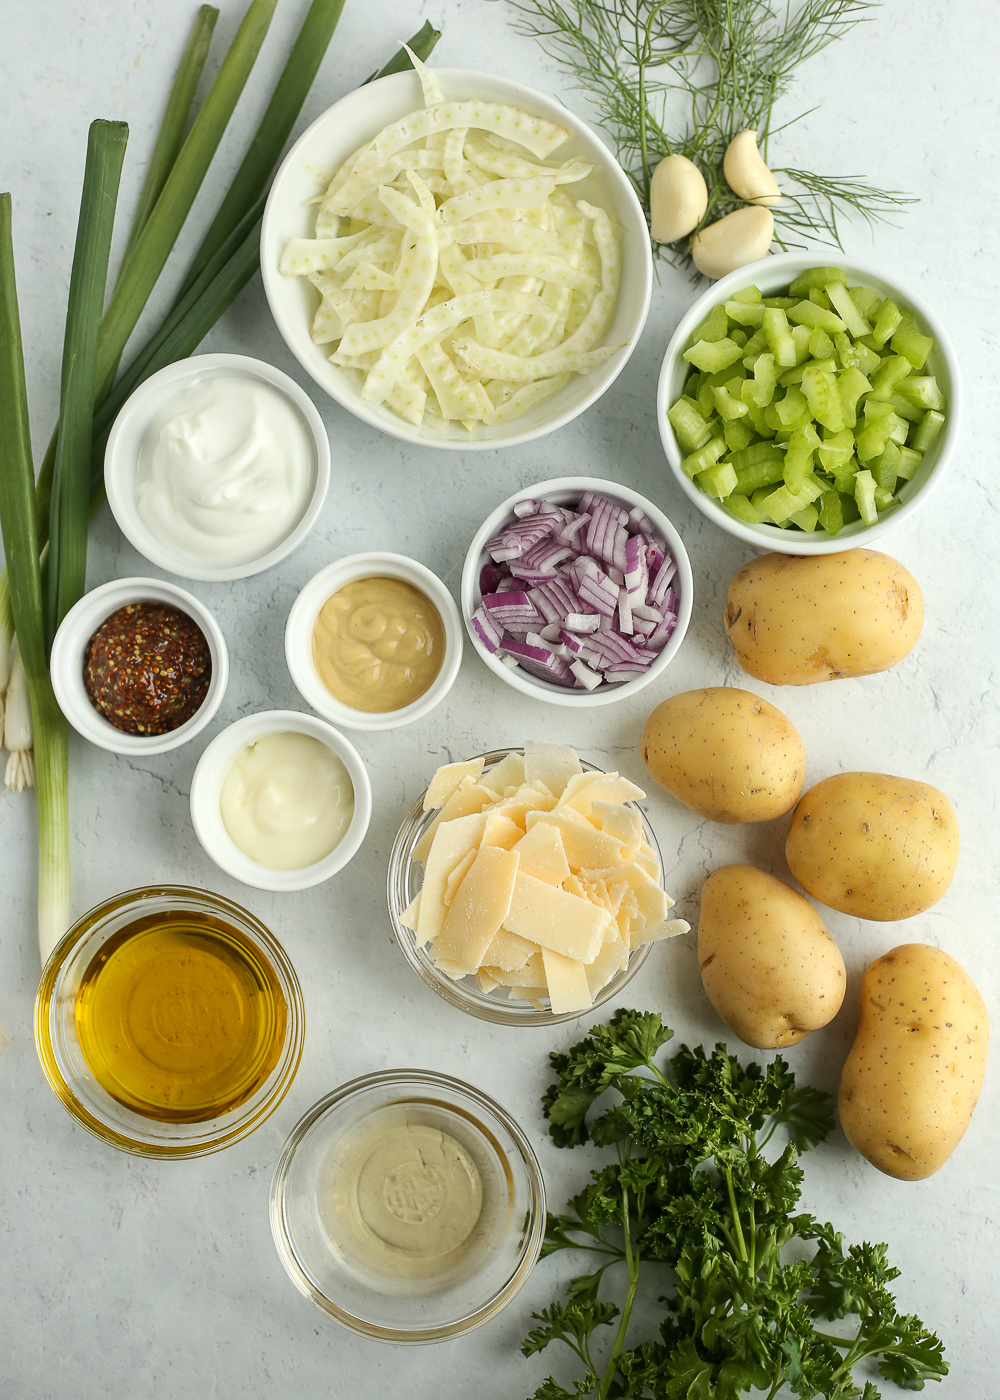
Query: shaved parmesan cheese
[[567, 982], [479, 908], [447, 779]]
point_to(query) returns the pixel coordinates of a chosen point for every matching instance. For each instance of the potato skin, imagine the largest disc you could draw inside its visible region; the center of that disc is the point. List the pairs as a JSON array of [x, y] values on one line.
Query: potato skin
[[872, 845], [728, 755], [796, 620], [916, 1067], [768, 963]]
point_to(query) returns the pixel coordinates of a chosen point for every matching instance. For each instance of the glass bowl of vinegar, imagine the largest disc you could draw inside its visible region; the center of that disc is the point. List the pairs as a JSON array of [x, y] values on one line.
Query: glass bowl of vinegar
[[169, 1022]]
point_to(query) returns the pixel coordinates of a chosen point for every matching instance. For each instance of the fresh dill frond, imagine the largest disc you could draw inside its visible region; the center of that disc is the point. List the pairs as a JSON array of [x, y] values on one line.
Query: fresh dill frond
[[684, 76]]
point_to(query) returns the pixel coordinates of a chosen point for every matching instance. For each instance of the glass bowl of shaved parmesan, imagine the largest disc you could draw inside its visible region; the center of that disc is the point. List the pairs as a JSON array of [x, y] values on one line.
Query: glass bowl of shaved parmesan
[[525, 885], [456, 259], [577, 591]]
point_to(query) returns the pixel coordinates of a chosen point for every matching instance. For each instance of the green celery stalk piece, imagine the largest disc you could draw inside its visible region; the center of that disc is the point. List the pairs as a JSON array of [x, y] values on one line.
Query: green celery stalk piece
[[728, 407], [751, 476], [844, 349], [793, 409], [747, 313], [822, 393], [170, 137], [900, 430], [871, 438], [792, 376], [849, 506], [759, 501], [742, 508], [831, 513], [907, 340], [764, 380], [886, 468], [154, 244], [758, 418], [868, 359], [818, 278], [843, 303], [749, 294], [799, 457], [715, 325], [864, 495], [806, 519], [756, 345], [904, 408], [779, 303], [851, 384], [821, 347], [888, 378], [866, 299], [836, 448], [738, 434], [923, 391], [818, 297], [67, 565], [909, 463], [713, 355], [783, 503], [690, 428], [886, 322], [19, 528], [807, 313], [884, 499], [844, 474], [779, 337], [739, 336], [704, 457], [718, 480], [926, 431], [801, 336]]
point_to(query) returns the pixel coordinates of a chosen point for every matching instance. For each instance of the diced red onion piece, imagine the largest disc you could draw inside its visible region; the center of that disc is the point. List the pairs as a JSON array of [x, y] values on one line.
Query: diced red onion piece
[[582, 622], [624, 613], [489, 578], [523, 508], [486, 629], [589, 679]]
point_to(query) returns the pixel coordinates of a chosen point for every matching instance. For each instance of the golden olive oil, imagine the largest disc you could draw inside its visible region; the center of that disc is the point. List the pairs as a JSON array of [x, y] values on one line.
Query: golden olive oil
[[179, 1017]]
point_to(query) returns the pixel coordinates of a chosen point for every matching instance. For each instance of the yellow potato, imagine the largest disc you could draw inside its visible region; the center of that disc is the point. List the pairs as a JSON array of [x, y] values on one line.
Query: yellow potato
[[798, 620], [768, 964], [916, 1067], [726, 754], [872, 845]]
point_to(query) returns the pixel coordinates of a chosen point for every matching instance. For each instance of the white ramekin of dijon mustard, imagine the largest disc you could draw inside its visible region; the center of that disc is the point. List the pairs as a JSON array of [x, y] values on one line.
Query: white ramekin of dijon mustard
[[374, 641]]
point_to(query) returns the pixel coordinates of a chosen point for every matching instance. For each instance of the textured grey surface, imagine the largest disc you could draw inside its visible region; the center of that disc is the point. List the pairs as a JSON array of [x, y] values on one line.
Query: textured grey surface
[[121, 1276]]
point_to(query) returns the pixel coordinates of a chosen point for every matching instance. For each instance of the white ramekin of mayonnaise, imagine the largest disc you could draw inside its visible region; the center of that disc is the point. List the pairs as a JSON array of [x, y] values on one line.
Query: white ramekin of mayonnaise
[[280, 800], [374, 641], [217, 467]]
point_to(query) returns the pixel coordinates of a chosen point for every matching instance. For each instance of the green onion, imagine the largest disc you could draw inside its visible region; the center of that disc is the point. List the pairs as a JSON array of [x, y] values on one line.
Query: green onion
[[17, 521], [88, 280]]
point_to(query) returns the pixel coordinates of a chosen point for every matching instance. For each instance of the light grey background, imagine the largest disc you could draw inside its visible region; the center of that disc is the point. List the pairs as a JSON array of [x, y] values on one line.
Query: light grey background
[[121, 1276]]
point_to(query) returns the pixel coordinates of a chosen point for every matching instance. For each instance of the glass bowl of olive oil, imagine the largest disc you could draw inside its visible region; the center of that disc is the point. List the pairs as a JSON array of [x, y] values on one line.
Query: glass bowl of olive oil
[[169, 1022]]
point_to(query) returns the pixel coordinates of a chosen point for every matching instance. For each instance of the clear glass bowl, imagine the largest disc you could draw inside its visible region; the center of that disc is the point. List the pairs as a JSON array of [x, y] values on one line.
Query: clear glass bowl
[[363, 1291], [404, 880], [66, 1068]]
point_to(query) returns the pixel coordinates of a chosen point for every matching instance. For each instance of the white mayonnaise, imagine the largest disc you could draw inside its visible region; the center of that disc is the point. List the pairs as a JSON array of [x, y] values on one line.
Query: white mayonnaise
[[225, 470], [287, 801]]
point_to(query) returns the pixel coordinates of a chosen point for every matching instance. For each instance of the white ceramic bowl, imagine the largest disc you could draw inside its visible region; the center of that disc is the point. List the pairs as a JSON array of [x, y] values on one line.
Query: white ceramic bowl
[[771, 275], [121, 460], [352, 122], [302, 621], [70, 643], [206, 790], [566, 490]]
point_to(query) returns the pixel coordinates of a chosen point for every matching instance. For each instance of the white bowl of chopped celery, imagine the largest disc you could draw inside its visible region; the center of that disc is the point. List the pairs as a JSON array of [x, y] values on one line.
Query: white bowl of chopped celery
[[814, 423], [555, 319]]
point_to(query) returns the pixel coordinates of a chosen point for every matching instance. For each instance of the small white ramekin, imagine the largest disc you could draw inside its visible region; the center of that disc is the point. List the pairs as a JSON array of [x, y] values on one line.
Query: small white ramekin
[[206, 792], [70, 643], [302, 622], [121, 461], [562, 490]]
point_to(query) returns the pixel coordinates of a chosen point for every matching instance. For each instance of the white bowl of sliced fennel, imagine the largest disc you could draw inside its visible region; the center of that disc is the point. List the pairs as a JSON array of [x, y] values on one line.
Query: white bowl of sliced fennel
[[554, 305]]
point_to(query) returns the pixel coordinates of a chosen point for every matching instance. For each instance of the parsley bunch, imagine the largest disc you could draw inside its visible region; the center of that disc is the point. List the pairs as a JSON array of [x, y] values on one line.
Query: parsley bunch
[[693, 1188]]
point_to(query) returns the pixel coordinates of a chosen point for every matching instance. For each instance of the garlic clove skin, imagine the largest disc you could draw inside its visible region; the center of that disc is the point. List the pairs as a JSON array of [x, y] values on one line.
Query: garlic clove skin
[[745, 171], [678, 198], [740, 237]]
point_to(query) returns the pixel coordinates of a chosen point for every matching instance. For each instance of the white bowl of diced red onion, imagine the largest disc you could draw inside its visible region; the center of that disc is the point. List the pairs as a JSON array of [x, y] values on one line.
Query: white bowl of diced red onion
[[577, 591]]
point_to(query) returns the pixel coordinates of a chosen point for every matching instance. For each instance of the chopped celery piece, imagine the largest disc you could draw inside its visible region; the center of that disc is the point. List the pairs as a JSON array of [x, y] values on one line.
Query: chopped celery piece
[[886, 469], [755, 346], [742, 508], [831, 512], [849, 506], [821, 347], [909, 461], [690, 428], [799, 456], [851, 384], [753, 476], [836, 449], [870, 440], [926, 431], [747, 313], [738, 434], [794, 376], [846, 353], [844, 473], [900, 431], [921, 390], [780, 303], [818, 277], [764, 379], [760, 424], [713, 355], [740, 337], [726, 406], [818, 297], [823, 397], [840, 299], [759, 501], [750, 294], [807, 313], [868, 359], [793, 410], [703, 457], [903, 408], [718, 480], [806, 519], [715, 325], [907, 340], [887, 379], [888, 318], [884, 499], [864, 495], [779, 337], [801, 335], [782, 503], [866, 299]]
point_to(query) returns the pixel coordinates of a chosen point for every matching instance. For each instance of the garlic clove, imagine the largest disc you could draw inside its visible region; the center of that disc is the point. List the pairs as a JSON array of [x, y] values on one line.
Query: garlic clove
[[678, 198], [745, 171], [739, 238]]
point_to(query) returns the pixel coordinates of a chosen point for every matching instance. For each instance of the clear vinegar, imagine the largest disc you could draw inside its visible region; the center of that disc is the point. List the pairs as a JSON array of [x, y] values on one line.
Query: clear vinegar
[[180, 1018]]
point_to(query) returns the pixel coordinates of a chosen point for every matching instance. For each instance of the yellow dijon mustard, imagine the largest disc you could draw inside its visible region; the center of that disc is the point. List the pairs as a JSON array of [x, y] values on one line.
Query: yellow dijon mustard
[[378, 644]]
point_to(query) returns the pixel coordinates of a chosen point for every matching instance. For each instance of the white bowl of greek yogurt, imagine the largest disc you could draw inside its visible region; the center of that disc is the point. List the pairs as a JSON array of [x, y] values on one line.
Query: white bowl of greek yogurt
[[280, 800], [217, 467]]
